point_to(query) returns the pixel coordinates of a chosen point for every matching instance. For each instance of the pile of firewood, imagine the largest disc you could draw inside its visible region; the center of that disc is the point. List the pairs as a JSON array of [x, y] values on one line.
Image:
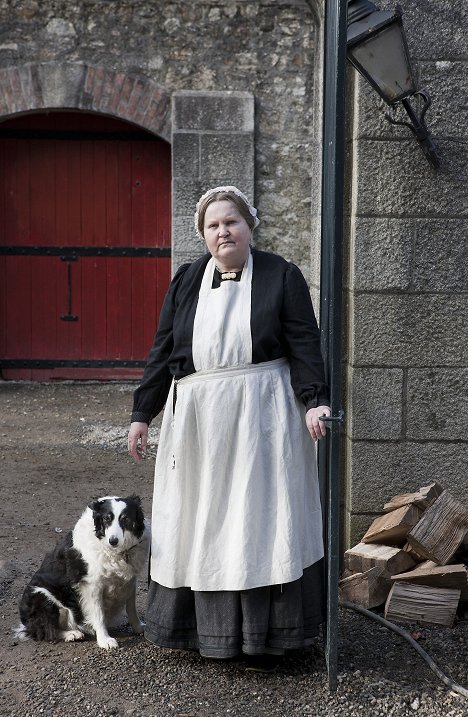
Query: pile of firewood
[[412, 558]]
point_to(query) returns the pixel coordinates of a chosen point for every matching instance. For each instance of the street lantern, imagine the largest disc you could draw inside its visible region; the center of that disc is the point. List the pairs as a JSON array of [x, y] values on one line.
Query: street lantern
[[378, 50]]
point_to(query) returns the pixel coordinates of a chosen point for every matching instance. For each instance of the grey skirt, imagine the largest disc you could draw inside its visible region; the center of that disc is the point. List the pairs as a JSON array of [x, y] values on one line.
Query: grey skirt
[[224, 624]]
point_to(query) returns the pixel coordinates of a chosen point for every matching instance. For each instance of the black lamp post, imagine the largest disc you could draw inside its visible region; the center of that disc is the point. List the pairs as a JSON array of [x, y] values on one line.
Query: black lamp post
[[378, 50]]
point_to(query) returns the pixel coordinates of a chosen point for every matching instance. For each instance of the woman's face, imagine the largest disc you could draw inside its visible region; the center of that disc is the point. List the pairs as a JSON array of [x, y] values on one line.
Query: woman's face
[[227, 235]]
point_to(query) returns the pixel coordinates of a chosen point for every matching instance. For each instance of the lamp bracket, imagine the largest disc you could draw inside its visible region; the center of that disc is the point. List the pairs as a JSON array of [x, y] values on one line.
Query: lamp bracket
[[418, 126], [389, 115]]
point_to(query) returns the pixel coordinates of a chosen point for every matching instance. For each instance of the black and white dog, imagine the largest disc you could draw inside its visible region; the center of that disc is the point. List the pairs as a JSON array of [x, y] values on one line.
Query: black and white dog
[[90, 576]]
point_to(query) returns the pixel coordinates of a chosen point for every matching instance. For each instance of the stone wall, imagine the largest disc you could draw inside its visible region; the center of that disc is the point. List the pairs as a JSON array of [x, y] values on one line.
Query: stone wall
[[263, 47], [407, 344]]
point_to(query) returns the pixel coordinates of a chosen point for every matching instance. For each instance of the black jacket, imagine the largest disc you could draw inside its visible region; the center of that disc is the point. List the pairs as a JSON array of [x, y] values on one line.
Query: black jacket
[[282, 323]]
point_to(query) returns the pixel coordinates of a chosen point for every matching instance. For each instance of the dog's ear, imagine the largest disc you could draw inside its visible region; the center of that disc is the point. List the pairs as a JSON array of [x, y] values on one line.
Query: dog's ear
[[95, 505], [135, 514]]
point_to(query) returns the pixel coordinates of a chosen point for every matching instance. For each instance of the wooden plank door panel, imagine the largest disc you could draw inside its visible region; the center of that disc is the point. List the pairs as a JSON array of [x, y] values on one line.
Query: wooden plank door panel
[[48, 299], [63, 199], [18, 320], [94, 306]]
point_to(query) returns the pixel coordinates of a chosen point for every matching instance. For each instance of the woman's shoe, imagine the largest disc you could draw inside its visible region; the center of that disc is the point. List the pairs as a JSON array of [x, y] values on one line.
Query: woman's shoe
[[262, 663]]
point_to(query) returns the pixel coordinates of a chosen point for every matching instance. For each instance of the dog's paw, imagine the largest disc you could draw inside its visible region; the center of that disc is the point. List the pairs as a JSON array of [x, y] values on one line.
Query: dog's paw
[[138, 627], [108, 643], [73, 635]]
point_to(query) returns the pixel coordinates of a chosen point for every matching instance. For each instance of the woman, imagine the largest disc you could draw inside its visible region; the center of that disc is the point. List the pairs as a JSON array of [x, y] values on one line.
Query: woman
[[237, 532]]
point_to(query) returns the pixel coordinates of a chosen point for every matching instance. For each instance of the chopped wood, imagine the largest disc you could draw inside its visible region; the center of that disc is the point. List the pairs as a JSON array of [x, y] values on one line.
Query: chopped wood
[[422, 603], [423, 498], [345, 573], [368, 589], [411, 551], [441, 576], [441, 529], [364, 556], [392, 528]]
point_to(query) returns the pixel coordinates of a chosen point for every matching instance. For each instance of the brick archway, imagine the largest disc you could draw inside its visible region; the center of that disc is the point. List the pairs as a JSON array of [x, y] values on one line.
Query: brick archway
[[79, 86]]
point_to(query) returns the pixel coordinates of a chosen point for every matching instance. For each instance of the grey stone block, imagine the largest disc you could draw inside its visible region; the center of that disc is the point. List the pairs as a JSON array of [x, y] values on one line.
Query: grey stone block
[[227, 155], [381, 253], [61, 83], [378, 470], [186, 245], [437, 405], [446, 83], [441, 255], [186, 154], [395, 178], [375, 403], [217, 111], [410, 330], [435, 30], [184, 236], [425, 255], [185, 195], [354, 527]]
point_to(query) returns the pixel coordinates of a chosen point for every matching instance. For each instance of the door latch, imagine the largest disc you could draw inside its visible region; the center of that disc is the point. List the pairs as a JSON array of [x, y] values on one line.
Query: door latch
[[69, 317], [340, 418]]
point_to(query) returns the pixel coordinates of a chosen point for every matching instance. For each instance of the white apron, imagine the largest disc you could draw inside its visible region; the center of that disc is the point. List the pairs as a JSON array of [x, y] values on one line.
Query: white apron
[[236, 501]]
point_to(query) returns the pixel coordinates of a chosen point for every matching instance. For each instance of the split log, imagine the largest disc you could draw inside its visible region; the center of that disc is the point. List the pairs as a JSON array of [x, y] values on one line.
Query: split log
[[392, 528], [411, 551], [422, 499], [345, 573], [439, 576], [441, 529], [422, 603], [369, 555], [367, 589]]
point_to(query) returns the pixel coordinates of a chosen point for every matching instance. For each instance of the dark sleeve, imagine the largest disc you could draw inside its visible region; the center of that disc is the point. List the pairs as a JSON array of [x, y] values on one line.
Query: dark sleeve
[[150, 396], [302, 340]]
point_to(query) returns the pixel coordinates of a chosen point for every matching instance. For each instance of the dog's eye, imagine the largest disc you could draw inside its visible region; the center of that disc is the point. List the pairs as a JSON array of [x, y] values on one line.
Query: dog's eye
[[108, 518], [125, 522]]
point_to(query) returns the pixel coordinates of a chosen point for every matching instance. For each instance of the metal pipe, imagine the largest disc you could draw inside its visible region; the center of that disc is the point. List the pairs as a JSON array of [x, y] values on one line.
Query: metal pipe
[[331, 299]]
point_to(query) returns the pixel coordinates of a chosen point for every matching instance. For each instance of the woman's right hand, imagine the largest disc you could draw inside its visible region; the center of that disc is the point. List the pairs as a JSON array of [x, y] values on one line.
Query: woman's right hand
[[316, 427], [137, 440]]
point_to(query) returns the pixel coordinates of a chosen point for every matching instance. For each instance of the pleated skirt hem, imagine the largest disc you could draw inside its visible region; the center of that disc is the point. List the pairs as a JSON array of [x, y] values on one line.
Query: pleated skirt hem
[[226, 624]]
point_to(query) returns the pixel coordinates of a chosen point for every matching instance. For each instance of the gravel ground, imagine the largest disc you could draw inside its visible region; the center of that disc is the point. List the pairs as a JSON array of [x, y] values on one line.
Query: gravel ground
[[60, 445]]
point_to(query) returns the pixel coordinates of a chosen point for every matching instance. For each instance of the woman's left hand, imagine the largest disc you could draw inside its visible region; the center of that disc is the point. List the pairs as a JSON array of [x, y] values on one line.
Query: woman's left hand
[[317, 428]]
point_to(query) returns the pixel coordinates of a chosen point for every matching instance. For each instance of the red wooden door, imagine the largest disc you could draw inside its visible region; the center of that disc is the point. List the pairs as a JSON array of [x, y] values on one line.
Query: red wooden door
[[84, 246]]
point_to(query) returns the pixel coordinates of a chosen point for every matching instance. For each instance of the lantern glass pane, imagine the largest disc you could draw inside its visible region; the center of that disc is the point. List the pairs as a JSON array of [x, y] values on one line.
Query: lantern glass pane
[[384, 61]]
